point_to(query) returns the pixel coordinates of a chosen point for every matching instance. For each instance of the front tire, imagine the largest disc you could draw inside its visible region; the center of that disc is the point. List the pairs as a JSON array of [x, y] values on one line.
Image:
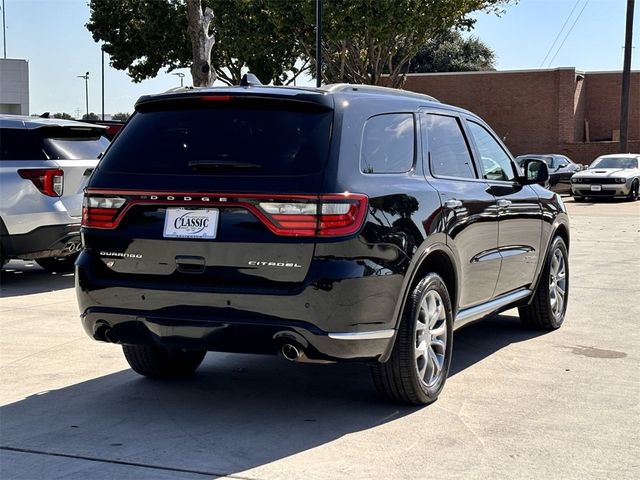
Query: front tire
[[419, 364], [162, 363], [634, 193], [549, 304]]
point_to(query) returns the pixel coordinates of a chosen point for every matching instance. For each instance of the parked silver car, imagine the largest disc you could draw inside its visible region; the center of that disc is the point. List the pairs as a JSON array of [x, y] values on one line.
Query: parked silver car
[[616, 175], [44, 166]]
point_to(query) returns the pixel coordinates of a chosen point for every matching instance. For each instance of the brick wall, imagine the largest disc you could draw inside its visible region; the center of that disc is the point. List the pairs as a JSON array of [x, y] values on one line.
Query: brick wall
[[603, 104], [587, 152], [538, 111]]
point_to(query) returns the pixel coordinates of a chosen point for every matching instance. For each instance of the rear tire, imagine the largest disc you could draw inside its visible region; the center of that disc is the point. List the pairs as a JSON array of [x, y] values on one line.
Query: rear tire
[[578, 198], [419, 364], [58, 264], [549, 304], [162, 363]]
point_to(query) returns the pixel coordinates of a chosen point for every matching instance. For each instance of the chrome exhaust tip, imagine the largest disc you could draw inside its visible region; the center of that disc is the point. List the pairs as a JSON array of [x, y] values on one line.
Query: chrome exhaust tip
[[291, 352]]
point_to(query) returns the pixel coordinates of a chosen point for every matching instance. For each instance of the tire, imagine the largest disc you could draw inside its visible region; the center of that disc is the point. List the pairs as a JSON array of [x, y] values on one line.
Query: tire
[[162, 363], [57, 264], [406, 377], [633, 194], [548, 306], [578, 198]]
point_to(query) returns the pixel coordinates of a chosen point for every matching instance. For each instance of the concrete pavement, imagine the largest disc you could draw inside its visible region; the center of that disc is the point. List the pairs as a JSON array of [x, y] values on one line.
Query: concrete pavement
[[518, 404]]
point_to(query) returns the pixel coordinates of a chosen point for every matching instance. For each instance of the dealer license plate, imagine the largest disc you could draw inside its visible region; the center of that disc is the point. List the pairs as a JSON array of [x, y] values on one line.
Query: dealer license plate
[[596, 188], [184, 223]]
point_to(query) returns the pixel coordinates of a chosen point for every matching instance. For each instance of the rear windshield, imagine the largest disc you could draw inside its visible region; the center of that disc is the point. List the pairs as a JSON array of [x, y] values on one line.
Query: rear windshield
[[51, 144], [229, 138]]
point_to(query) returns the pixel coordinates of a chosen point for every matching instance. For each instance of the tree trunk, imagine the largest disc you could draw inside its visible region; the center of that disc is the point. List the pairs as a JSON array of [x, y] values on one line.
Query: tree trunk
[[201, 43]]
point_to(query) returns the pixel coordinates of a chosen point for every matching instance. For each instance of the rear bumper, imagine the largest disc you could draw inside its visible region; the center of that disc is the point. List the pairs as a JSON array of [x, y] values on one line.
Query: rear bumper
[[45, 241], [348, 319]]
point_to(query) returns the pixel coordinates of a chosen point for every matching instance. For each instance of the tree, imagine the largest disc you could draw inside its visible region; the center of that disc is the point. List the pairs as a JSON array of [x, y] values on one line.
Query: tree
[[90, 116], [366, 39], [120, 116], [63, 115], [198, 27], [451, 52], [146, 36]]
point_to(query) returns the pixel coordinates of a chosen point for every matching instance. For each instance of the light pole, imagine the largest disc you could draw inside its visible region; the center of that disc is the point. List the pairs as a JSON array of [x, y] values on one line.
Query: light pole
[[4, 32], [318, 43], [86, 90], [181, 75]]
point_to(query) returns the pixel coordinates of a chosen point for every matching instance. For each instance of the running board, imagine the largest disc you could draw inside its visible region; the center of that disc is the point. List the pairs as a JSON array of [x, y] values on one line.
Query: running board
[[472, 314]]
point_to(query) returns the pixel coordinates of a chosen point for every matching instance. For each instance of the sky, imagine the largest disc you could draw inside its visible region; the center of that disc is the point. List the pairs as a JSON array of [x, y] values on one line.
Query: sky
[[52, 36]]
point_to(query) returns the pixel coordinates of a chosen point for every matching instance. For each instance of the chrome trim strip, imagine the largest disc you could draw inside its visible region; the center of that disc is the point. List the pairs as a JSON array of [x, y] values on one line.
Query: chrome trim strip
[[374, 335], [474, 313]]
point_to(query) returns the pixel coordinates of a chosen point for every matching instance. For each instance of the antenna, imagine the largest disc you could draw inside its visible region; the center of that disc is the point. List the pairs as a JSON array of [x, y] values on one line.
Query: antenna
[[249, 80]]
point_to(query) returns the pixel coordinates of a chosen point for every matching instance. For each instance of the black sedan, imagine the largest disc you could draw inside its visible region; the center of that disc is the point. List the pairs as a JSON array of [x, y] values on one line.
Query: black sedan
[[561, 169]]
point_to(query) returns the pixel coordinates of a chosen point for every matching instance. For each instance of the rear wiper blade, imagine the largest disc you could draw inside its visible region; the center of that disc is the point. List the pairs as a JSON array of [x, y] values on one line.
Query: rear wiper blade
[[204, 164]]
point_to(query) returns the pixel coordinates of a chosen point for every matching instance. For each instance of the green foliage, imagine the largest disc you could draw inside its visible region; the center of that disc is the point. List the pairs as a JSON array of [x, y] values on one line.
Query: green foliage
[[451, 52], [275, 39], [63, 115], [120, 116], [90, 116], [145, 36], [364, 39]]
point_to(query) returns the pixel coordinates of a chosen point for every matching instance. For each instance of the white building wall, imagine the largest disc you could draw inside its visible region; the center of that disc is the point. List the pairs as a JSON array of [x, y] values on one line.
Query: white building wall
[[14, 86]]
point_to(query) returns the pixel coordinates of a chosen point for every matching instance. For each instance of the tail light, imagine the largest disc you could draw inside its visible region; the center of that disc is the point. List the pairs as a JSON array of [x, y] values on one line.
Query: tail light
[[49, 181], [326, 216], [101, 212], [296, 215]]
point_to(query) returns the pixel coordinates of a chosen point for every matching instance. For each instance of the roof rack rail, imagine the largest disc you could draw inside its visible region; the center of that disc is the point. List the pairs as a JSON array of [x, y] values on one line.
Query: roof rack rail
[[353, 87]]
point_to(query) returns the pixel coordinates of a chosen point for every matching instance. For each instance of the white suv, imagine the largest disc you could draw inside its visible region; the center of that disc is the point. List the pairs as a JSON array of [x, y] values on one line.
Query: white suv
[[44, 166]]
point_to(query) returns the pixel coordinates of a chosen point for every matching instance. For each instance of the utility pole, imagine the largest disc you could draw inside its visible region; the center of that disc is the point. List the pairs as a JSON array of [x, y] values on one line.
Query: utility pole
[[4, 31], [318, 43], [86, 90], [626, 80], [102, 83]]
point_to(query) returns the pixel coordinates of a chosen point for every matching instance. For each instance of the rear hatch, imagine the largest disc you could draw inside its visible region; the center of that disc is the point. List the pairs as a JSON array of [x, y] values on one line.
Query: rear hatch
[[75, 150], [218, 190]]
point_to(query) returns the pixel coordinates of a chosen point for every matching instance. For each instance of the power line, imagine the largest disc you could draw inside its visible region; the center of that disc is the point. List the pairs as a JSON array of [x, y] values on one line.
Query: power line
[[559, 33], [569, 32]]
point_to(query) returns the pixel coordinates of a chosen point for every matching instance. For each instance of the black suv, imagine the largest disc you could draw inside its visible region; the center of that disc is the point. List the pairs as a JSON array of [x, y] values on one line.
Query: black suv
[[342, 223]]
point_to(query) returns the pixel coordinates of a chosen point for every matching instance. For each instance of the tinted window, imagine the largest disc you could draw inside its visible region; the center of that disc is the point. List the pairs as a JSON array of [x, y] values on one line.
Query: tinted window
[[495, 161], [20, 144], [78, 148], [448, 148], [388, 144], [235, 137]]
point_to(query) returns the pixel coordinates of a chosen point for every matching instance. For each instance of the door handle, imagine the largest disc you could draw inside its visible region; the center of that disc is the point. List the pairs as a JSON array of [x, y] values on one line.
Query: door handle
[[504, 203], [453, 203]]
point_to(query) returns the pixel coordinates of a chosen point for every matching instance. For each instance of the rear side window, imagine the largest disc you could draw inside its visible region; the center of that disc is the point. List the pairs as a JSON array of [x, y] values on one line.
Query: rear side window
[[388, 144], [238, 137], [495, 162], [448, 149], [20, 144]]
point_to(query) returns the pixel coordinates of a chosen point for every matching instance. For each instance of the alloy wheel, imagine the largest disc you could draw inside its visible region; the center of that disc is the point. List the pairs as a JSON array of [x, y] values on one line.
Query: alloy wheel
[[431, 339], [557, 283]]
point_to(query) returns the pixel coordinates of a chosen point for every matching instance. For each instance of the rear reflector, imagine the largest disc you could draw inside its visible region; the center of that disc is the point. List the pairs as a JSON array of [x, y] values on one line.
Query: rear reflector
[[295, 215], [49, 181]]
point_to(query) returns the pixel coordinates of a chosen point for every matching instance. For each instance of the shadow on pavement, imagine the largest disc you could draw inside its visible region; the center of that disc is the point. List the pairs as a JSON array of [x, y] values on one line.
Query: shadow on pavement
[[26, 278], [238, 412]]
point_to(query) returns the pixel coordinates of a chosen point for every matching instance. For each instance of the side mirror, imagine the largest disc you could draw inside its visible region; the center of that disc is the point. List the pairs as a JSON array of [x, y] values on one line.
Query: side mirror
[[562, 165], [535, 171]]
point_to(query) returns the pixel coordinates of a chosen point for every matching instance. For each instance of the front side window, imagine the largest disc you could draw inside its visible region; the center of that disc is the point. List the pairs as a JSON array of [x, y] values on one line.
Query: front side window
[[388, 144], [448, 149], [495, 161]]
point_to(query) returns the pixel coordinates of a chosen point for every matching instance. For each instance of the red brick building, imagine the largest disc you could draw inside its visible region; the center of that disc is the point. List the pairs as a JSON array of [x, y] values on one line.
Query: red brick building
[[543, 111]]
